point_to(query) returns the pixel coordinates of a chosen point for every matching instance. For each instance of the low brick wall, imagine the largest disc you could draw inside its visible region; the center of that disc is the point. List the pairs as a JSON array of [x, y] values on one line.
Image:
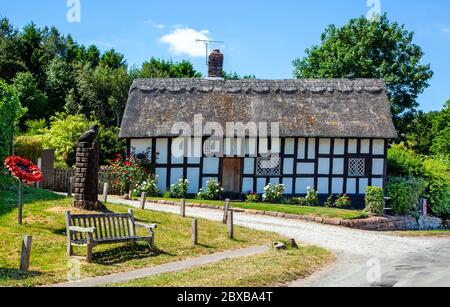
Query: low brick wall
[[385, 223]]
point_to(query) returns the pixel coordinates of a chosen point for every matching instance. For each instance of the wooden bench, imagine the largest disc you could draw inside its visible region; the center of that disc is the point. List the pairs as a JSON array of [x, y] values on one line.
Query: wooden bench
[[98, 229]]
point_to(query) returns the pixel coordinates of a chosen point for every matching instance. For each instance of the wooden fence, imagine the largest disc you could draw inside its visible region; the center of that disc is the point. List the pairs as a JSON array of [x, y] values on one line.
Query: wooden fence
[[58, 180]]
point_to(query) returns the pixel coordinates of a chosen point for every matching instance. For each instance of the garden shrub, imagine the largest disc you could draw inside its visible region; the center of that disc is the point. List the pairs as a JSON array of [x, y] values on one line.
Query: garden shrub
[[252, 198], [10, 113], [343, 201], [149, 186], [435, 172], [130, 175], [312, 197], [213, 191], [404, 194], [180, 189], [29, 147], [375, 200], [273, 193], [298, 201], [329, 203]]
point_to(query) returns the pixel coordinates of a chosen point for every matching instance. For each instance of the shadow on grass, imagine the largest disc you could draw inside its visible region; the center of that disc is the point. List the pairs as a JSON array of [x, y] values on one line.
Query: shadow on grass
[[15, 274], [124, 254]]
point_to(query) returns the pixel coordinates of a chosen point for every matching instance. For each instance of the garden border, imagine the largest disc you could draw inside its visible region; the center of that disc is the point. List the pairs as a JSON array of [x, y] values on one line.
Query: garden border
[[384, 223]]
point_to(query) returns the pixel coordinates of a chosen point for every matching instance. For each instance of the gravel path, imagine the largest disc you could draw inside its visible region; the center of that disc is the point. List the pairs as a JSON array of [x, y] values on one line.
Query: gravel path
[[401, 260]]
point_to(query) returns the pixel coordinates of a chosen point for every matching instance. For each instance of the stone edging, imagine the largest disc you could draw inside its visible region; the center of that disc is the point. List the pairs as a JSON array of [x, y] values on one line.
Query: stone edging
[[385, 223]]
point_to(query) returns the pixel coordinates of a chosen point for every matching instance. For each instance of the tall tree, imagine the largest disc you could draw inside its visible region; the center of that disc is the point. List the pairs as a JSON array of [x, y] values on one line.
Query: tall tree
[[158, 68], [371, 49], [31, 97]]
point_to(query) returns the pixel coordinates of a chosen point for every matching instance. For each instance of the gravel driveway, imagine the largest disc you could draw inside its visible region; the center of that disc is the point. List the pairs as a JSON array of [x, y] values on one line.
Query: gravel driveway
[[402, 261]]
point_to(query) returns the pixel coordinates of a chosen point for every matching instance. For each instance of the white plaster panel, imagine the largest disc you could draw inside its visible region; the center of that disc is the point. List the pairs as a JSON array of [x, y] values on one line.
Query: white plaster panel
[[378, 147], [363, 184], [351, 186], [378, 182], [339, 147], [378, 167], [311, 148], [365, 146], [324, 146], [249, 166], [337, 186], [193, 175], [289, 146], [211, 165], [261, 184], [302, 184], [301, 149], [324, 166], [288, 166], [162, 179], [338, 166], [175, 175], [305, 168], [352, 146], [162, 148], [323, 186], [247, 185], [288, 186], [142, 146]]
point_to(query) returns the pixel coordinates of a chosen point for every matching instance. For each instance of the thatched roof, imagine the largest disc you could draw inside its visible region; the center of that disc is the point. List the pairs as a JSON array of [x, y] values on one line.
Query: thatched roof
[[304, 108]]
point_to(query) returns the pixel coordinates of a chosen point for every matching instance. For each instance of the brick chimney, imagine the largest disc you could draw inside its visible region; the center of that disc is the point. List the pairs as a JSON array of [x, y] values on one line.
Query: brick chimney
[[215, 64]]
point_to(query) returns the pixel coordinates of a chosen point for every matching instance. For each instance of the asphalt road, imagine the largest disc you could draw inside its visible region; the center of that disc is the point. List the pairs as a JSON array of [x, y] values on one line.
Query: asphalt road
[[363, 258]]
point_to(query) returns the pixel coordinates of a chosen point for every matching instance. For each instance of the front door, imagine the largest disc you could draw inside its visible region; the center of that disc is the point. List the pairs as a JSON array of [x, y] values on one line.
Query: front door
[[232, 175]]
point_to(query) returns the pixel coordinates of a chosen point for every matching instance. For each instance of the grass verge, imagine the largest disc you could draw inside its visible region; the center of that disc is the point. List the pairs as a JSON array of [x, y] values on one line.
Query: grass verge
[[274, 268], [44, 220], [283, 208]]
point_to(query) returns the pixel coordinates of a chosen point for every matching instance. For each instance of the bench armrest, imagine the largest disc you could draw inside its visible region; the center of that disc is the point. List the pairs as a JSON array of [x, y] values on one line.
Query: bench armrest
[[81, 229], [153, 226]]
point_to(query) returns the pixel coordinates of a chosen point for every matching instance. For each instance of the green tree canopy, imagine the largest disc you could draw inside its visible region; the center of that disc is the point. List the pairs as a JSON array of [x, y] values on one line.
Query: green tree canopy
[[158, 68], [371, 49], [10, 113]]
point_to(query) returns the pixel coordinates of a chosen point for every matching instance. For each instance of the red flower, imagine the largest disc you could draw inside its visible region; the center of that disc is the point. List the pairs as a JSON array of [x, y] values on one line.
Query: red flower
[[23, 169]]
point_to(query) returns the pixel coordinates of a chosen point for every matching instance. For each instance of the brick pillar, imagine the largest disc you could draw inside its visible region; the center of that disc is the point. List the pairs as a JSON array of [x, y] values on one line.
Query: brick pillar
[[86, 177]]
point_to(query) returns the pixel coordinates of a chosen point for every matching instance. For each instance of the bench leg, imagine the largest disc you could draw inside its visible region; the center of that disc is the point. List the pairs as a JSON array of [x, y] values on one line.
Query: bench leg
[[151, 245], [69, 249], [90, 248]]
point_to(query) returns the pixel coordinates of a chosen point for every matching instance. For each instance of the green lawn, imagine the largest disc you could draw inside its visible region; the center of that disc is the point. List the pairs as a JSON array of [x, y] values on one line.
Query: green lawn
[[425, 233], [274, 268], [283, 208], [44, 220]]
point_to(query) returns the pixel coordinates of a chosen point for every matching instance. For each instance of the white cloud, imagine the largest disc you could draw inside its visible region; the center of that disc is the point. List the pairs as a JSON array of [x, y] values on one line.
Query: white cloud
[[445, 30], [183, 41], [101, 44]]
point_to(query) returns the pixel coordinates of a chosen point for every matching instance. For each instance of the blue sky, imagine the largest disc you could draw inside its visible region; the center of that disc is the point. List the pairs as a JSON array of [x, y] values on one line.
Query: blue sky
[[261, 37]]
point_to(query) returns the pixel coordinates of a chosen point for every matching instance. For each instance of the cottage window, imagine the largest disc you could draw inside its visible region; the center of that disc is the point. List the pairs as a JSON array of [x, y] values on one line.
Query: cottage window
[[210, 148], [357, 167], [268, 167]]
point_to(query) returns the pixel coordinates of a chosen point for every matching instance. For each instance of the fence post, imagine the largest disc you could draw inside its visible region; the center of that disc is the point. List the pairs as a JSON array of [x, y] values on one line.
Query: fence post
[[143, 200], [20, 202], [26, 253], [195, 232], [39, 165], [69, 185], [183, 207], [226, 208], [230, 223], [105, 192]]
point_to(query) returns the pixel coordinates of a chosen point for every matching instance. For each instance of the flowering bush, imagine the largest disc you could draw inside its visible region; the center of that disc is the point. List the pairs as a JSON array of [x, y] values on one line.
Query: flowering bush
[[180, 189], [252, 198], [130, 174], [213, 191], [149, 186], [330, 202], [312, 197], [273, 193], [23, 169], [343, 201]]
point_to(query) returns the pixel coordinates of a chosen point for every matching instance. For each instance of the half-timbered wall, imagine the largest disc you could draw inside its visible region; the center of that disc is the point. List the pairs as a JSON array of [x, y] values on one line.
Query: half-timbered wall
[[331, 166]]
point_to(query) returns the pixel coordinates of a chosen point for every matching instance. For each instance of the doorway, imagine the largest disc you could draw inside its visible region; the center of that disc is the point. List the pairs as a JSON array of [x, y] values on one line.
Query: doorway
[[232, 175]]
